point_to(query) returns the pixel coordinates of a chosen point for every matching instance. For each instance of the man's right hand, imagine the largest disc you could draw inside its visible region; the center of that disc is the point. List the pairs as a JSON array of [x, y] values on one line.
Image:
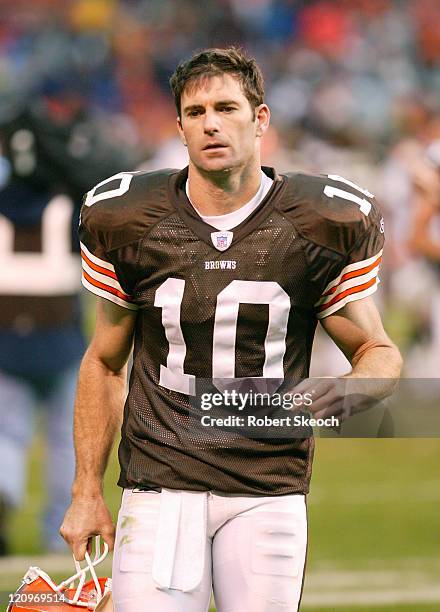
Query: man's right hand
[[87, 517]]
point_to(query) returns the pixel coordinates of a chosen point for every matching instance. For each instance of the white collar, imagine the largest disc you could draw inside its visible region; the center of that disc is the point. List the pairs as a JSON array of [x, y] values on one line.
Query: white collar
[[230, 220]]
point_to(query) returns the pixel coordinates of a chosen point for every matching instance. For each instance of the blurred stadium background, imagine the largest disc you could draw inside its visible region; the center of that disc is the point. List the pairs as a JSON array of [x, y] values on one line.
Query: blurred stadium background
[[354, 88]]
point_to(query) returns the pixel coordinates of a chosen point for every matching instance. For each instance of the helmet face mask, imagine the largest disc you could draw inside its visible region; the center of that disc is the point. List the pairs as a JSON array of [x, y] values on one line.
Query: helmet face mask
[[39, 593]]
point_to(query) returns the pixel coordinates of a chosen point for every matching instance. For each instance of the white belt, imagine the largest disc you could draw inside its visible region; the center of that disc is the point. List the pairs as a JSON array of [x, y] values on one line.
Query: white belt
[[179, 552]]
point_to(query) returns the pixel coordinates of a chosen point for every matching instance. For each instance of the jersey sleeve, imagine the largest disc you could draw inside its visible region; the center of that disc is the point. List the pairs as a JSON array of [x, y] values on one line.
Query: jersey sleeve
[[116, 216], [356, 280], [100, 273], [357, 275]]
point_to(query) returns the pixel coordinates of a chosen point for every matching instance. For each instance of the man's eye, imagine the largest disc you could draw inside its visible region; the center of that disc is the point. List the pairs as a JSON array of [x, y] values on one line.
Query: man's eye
[[227, 109], [194, 113]]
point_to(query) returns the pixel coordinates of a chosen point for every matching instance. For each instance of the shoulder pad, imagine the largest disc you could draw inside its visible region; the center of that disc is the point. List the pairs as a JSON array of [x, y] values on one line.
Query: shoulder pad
[[120, 209], [330, 211]]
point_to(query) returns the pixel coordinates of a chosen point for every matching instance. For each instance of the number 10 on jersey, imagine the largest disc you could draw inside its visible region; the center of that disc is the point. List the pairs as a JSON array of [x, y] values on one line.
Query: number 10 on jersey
[[169, 298]]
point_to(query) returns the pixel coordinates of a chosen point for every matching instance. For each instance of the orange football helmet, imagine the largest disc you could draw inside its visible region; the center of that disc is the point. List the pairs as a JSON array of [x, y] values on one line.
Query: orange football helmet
[[39, 593]]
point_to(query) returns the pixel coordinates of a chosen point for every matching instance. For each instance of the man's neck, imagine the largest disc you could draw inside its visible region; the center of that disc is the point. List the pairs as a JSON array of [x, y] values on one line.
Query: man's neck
[[222, 193]]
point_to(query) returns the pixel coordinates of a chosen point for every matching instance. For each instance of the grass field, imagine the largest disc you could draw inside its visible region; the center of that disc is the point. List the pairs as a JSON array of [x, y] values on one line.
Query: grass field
[[374, 526]]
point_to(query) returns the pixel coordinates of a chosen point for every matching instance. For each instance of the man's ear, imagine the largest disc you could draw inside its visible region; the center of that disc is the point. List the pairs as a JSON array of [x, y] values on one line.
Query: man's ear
[[262, 118], [180, 130]]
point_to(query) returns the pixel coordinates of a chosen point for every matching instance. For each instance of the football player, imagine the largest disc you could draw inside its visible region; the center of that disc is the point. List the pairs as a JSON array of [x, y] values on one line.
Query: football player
[[51, 151], [217, 271]]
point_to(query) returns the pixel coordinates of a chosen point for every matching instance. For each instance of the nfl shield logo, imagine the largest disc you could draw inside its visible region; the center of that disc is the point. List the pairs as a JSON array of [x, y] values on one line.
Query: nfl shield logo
[[221, 240]]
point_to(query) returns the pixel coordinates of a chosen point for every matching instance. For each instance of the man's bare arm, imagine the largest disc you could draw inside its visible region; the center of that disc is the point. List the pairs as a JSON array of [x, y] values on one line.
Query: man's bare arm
[[358, 331], [98, 415]]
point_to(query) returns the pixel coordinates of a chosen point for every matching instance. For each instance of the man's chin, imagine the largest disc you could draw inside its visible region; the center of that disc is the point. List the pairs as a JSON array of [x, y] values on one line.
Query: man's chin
[[216, 166]]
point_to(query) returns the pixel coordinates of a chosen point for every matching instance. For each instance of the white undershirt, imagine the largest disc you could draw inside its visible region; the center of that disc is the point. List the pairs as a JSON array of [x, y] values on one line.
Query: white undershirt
[[232, 219]]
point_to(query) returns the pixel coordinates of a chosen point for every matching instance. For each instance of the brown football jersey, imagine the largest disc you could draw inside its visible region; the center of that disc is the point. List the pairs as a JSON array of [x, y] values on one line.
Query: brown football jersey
[[221, 305]]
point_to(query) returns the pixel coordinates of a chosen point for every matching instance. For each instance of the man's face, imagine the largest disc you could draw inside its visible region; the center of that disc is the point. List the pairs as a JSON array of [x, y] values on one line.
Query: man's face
[[218, 125]]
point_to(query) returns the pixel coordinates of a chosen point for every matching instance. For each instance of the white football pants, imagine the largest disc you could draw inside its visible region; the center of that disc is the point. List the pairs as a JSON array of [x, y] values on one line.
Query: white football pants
[[172, 548]]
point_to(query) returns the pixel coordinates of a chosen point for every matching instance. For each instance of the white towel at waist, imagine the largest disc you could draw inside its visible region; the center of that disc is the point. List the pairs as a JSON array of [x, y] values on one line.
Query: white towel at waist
[[179, 552]]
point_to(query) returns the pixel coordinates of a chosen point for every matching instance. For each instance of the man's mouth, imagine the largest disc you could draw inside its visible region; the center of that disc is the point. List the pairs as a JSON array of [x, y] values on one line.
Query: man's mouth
[[213, 146]]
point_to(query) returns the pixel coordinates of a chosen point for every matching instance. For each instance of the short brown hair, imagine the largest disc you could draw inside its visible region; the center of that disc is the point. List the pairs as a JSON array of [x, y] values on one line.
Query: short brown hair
[[215, 62]]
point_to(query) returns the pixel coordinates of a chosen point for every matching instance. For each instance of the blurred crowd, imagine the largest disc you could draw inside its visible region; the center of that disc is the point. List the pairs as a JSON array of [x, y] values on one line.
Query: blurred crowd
[[354, 71], [354, 89]]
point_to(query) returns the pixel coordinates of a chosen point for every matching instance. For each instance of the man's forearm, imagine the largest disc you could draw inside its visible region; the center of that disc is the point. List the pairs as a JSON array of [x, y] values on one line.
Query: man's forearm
[[381, 362], [98, 415]]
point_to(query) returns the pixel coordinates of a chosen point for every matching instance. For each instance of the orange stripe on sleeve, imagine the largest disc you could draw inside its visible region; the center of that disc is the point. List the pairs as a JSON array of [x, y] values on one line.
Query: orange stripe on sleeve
[[97, 268], [343, 294], [105, 287], [354, 274]]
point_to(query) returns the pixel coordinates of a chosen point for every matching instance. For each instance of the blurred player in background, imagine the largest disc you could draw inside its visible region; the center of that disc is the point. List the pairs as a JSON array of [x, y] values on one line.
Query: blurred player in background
[[219, 270], [51, 152], [424, 237]]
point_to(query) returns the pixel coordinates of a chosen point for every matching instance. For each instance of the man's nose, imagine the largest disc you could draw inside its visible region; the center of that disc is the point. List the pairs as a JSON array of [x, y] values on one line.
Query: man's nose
[[211, 123]]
